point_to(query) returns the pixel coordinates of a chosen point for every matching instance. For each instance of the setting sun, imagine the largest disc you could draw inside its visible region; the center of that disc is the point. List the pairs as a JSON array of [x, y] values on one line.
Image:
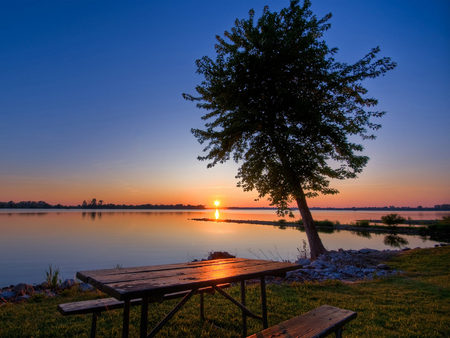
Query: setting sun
[[216, 203]]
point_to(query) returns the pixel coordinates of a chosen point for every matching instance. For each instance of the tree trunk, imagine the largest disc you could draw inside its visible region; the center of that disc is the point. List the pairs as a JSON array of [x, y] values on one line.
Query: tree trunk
[[315, 243]]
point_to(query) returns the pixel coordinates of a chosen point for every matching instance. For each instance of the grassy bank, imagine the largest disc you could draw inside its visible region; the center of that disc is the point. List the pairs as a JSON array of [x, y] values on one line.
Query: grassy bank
[[416, 303]]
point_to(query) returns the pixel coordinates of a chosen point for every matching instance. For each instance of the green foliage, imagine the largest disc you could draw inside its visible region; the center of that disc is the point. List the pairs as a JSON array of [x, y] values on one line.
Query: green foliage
[[362, 223], [325, 223], [444, 221], [279, 103], [392, 219], [52, 277], [416, 304]]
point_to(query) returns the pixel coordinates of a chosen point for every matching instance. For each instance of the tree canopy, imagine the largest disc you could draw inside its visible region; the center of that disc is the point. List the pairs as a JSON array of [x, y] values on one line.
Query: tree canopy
[[279, 104]]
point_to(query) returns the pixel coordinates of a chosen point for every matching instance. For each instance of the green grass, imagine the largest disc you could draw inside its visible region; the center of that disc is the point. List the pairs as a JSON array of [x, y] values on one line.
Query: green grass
[[417, 303]]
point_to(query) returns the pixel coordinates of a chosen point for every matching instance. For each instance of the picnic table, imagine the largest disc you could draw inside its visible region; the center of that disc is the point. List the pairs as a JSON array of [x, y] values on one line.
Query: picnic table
[[151, 283]]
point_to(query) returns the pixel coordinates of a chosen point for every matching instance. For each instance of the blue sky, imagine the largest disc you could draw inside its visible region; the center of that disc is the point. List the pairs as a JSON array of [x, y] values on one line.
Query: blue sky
[[91, 106]]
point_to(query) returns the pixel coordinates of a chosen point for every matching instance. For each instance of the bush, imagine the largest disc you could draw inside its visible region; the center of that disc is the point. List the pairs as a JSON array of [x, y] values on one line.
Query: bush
[[362, 223], [325, 223], [52, 278], [392, 219]]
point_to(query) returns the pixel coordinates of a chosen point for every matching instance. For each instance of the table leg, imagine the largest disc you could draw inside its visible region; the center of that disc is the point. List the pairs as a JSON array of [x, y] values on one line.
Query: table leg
[[144, 316], [244, 316], [264, 302], [126, 318]]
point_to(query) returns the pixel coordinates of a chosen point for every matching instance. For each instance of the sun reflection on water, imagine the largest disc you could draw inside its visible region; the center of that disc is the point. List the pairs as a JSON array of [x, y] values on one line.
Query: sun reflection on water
[[216, 214]]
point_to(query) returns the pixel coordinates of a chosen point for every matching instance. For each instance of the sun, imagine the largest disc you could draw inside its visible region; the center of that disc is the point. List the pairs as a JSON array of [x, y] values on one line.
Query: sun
[[216, 203]]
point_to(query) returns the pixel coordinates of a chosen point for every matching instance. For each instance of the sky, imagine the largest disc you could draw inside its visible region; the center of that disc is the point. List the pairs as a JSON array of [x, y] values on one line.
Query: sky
[[91, 105]]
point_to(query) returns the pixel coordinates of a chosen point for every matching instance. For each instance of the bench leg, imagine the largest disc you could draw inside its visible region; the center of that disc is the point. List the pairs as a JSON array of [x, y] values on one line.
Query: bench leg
[[144, 316], [264, 303], [244, 315], [94, 324], [202, 307], [126, 319], [339, 333]]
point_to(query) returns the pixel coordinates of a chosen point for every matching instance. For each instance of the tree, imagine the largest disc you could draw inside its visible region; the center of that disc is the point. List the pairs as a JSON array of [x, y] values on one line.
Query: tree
[[282, 106], [392, 220]]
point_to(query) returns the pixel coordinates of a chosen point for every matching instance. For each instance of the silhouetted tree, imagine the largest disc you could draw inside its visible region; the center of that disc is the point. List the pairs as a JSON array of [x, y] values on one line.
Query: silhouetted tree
[[392, 219], [84, 204], [280, 104], [93, 203]]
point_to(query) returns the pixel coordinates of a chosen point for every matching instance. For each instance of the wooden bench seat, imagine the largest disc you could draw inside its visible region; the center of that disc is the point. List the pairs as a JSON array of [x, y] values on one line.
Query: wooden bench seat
[[97, 306], [319, 322]]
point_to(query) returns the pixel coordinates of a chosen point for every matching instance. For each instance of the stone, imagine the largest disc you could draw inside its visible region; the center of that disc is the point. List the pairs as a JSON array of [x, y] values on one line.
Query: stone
[[7, 295], [383, 267], [292, 274], [49, 293], [406, 249], [318, 264], [23, 298], [85, 287], [303, 261], [23, 289], [366, 250], [219, 255], [67, 284]]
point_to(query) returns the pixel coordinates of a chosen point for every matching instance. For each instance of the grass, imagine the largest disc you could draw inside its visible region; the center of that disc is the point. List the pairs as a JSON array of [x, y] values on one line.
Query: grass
[[416, 303]]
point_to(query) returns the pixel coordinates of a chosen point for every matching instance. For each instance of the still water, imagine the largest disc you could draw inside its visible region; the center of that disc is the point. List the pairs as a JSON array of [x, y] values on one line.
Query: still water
[[31, 240]]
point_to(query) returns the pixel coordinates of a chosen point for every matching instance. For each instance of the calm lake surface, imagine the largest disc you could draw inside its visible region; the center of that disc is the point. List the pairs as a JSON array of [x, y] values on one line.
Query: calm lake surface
[[72, 240]]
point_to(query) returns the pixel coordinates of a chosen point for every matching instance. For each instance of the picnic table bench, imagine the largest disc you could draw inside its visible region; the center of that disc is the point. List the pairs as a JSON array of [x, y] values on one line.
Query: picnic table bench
[[319, 322], [97, 306]]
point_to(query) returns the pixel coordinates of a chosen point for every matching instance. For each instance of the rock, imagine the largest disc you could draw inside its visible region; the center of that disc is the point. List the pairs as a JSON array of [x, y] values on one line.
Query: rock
[[350, 270], [85, 287], [7, 295], [292, 274], [303, 261], [23, 289], [49, 293], [406, 249], [23, 298], [318, 264], [67, 284], [383, 267], [219, 255], [366, 250]]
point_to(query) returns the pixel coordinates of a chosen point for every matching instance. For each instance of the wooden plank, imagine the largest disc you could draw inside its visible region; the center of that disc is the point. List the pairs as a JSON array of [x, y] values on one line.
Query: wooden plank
[[105, 304], [316, 323], [138, 288], [105, 272], [146, 274]]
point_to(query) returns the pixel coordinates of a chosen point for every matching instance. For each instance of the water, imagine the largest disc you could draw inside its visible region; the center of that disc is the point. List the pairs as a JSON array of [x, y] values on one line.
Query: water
[[72, 240]]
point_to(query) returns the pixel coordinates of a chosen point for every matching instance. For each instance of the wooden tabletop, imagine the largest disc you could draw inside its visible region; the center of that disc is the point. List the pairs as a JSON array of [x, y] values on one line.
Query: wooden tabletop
[[157, 280]]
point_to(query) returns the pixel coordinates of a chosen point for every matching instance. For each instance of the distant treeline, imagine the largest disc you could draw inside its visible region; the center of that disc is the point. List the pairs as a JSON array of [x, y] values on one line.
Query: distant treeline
[[93, 204]]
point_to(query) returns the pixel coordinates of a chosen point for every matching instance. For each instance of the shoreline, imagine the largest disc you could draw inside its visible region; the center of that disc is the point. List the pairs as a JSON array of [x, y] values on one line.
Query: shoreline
[[404, 230]]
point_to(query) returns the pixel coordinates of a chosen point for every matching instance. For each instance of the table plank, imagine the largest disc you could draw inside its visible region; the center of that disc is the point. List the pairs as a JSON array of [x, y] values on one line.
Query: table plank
[[163, 279], [145, 273], [114, 271]]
